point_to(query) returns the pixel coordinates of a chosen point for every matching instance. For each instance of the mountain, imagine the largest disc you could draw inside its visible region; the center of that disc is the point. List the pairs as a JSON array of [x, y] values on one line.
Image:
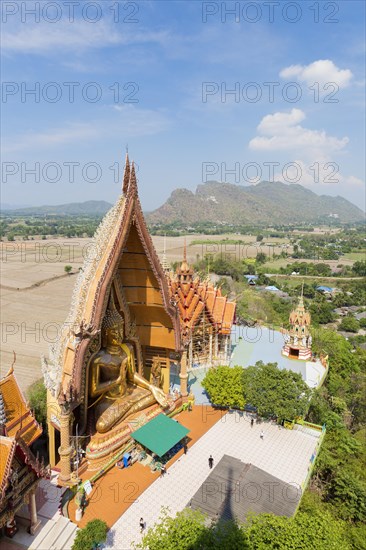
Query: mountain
[[264, 203], [8, 206], [88, 208]]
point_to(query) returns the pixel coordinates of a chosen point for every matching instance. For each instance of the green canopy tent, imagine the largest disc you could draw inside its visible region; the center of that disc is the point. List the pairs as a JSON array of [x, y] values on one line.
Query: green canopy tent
[[160, 434]]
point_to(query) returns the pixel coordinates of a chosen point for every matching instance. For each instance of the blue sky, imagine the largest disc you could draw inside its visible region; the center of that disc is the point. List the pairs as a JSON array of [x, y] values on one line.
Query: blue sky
[[156, 75]]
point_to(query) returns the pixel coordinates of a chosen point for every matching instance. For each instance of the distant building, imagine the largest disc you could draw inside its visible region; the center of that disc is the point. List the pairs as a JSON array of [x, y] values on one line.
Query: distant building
[[325, 289], [252, 279]]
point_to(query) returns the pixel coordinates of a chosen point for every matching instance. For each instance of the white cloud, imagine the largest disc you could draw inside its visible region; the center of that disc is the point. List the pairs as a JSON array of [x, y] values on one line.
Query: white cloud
[[55, 137], [130, 121], [46, 38], [322, 71], [314, 150], [281, 132]]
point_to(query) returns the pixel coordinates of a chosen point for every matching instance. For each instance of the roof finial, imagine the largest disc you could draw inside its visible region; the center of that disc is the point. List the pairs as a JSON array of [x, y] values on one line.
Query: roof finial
[[11, 370], [126, 174]]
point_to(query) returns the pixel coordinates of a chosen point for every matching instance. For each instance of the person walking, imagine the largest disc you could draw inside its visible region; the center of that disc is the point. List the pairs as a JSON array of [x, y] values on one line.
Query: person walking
[[261, 434], [185, 448], [210, 462], [252, 422], [163, 471], [142, 525]]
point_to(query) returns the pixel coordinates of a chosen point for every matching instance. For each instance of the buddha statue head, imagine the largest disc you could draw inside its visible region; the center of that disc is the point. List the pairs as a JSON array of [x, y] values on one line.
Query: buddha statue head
[[112, 326]]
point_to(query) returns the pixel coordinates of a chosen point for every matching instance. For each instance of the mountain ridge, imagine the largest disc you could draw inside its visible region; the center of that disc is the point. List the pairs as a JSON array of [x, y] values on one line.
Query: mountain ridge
[[266, 202]]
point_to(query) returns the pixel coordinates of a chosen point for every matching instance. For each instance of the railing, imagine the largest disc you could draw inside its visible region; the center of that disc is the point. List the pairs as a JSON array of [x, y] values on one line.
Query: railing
[[312, 459]]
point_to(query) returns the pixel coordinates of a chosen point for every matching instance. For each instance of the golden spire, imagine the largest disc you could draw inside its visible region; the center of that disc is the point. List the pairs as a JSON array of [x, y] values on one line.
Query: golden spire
[[301, 301], [126, 174]]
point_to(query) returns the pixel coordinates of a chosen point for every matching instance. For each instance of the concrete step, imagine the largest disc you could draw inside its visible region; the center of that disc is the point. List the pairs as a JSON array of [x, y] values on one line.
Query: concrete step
[[66, 538], [308, 431], [39, 538], [51, 538], [68, 544]]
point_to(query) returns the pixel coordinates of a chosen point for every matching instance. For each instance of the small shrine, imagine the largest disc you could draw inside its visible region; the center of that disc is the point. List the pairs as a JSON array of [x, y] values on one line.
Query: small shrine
[[298, 339], [20, 470], [110, 370], [206, 317]]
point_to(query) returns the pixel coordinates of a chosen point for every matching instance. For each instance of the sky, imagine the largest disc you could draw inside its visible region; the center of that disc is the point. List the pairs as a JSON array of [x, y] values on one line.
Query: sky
[[197, 91]]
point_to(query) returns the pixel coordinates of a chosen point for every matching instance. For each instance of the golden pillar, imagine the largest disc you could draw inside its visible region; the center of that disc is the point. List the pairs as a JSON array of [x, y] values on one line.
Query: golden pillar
[[65, 449], [51, 445], [34, 521], [183, 376]]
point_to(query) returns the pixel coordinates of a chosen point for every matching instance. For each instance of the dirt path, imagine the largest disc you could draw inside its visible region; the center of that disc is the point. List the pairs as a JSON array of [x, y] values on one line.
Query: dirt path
[[283, 275], [39, 283]]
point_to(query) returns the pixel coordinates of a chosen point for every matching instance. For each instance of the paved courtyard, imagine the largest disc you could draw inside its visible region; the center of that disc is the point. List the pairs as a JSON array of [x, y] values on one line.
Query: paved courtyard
[[283, 453]]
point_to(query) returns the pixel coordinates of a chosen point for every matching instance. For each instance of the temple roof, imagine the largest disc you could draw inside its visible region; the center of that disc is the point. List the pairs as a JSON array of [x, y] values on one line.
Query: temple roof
[[123, 258], [7, 449], [19, 419], [194, 296], [300, 316]]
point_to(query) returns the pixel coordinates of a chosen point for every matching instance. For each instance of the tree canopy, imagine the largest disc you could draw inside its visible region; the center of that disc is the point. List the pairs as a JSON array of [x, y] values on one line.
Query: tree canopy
[[190, 530], [272, 391], [225, 386]]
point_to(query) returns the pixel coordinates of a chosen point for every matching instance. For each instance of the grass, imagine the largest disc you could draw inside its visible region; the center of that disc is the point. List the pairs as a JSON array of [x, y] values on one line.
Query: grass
[[355, 256]]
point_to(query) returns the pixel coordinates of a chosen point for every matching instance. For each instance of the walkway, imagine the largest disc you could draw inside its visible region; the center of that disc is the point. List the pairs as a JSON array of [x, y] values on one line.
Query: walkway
[[282, 453]]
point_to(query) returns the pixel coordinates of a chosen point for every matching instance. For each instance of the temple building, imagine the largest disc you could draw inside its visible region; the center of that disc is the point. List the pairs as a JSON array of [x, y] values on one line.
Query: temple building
[[298, 338], [110, 369], [20, 470], [206, 317]]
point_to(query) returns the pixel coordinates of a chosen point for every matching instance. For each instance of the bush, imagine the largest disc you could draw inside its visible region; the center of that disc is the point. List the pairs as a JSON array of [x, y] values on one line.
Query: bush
[[37, 398], [95, 532]]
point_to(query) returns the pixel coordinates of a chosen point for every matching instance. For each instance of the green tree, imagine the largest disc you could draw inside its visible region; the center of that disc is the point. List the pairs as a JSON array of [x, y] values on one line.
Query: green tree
[[93, 534], [68, 269], [272, 391], [37, 398], [349, 324], [362, 322], [261, 258], [359, 268], [224, 385], [317, 530], [183, 532]]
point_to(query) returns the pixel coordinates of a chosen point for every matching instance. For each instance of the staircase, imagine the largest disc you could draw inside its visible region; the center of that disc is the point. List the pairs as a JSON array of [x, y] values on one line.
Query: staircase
[[307, 430], [55, 535]]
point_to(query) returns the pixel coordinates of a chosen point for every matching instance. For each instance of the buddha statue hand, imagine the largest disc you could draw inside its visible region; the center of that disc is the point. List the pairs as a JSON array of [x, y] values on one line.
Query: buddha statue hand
[[159, 396]]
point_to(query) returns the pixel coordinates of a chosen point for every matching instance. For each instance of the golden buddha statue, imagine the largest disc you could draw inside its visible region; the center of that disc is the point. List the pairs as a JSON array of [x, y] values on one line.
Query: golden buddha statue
[[119, 390]]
